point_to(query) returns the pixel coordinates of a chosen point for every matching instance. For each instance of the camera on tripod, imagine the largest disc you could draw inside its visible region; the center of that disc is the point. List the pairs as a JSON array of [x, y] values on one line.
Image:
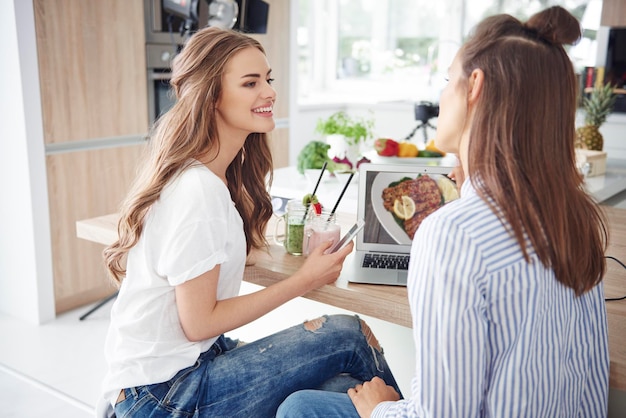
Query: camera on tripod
[[424, 111]]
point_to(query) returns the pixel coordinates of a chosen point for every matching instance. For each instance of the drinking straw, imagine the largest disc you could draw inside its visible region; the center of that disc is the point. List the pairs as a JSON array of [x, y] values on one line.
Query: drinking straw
[[332, 212], [306, 209], [319, 178]]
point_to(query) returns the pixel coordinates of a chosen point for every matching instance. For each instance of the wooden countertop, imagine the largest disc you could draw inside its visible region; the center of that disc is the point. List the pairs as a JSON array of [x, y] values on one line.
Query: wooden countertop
[[390, 303], [615, 287], [384, 302]]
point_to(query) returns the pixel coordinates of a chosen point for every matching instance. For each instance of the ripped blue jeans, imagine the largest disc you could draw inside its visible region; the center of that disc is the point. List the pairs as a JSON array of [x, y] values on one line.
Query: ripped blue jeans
[[330, 353]]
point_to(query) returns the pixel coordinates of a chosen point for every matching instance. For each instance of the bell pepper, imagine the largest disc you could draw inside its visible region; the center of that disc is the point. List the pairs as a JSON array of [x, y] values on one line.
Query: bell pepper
[[386, 147], [430, 146], [407, 149]]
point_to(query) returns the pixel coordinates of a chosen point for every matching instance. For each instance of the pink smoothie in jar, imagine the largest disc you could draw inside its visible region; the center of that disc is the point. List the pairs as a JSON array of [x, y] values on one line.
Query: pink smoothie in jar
[[318, 232]]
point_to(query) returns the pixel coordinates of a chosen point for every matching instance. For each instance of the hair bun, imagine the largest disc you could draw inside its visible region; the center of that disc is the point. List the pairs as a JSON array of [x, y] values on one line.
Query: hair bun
[[555, 25]]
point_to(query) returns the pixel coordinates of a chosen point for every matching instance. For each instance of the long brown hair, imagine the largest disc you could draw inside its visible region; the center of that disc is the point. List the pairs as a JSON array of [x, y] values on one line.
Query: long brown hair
[[187, 131], [521, 155]]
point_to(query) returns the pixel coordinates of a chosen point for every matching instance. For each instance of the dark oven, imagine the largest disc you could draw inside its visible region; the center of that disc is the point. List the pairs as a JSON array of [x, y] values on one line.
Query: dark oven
[[158, 57]]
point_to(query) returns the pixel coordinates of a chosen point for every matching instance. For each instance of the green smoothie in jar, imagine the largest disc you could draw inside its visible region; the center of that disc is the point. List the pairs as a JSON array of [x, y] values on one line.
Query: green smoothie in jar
[[294, 238]]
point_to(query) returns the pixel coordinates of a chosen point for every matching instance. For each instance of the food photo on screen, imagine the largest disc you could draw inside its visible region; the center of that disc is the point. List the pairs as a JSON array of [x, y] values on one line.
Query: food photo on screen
[[398, 203]]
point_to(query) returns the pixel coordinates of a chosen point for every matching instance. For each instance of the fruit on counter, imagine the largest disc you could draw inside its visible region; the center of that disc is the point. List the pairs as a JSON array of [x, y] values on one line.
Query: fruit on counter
[[404, 208], [430, 146], [407, 149], [598, 105], [386, 147], [311, 199]]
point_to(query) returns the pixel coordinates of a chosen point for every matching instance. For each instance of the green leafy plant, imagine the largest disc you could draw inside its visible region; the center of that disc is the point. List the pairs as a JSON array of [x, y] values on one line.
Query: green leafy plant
[[354, 129], [314, 155]]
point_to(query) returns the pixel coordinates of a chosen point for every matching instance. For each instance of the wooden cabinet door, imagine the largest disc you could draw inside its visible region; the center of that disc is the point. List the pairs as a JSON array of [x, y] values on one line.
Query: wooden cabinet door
[[93, 85], [83, 185], [92, 68], [613, 13]]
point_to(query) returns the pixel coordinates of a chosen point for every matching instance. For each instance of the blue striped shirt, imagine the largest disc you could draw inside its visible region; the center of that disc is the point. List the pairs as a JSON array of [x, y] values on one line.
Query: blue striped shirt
[[496, 336]]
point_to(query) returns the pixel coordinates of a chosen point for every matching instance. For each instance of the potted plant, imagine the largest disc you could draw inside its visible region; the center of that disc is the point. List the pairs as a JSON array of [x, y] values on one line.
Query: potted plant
[[345, 134], [355, 130]]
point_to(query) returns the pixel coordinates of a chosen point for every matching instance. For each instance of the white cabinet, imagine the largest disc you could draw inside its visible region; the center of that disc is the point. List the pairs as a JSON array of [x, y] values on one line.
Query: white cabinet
[[614, 133]]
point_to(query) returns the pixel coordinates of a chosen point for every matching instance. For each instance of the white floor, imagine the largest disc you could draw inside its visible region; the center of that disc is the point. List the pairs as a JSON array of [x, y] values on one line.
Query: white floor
[[55, 369]]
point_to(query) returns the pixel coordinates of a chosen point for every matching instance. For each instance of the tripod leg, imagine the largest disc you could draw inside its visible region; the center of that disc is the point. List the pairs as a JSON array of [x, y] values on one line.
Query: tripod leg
[[98, 306], [427, 125], [409, 136]]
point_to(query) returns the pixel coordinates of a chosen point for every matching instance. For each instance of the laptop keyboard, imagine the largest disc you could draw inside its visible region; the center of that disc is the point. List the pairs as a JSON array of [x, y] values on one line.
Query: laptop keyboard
[[386, 261]]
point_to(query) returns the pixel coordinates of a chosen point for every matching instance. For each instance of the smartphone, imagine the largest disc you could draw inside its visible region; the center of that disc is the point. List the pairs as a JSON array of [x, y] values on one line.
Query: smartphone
[[348, 237]]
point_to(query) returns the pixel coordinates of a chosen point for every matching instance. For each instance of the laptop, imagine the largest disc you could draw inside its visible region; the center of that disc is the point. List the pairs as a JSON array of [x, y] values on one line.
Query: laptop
[[393, 199]]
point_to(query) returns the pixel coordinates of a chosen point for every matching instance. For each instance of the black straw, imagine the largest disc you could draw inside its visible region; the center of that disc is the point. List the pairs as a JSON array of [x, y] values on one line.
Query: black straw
[[332, 212], [319, 178]]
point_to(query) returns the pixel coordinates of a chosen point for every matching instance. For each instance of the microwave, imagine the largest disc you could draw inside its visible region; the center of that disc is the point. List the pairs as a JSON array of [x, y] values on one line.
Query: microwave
[[163, 28], [165, 34]]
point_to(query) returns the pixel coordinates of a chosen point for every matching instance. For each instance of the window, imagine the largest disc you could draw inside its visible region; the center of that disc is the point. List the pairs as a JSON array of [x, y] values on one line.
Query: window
[[385, 50]]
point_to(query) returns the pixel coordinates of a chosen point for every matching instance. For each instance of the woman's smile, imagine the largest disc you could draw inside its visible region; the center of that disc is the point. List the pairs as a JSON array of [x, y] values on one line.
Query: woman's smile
[[265, 111]]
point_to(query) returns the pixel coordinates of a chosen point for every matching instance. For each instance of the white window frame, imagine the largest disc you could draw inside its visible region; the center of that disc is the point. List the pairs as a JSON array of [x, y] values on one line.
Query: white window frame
[[326, 87]]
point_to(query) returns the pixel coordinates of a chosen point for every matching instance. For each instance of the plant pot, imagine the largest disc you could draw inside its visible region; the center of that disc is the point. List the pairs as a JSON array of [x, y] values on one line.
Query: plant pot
[[340, 148], [338, 145]]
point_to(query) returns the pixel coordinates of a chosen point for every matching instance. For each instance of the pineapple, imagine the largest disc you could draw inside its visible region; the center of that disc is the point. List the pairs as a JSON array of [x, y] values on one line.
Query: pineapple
[[597, 107]]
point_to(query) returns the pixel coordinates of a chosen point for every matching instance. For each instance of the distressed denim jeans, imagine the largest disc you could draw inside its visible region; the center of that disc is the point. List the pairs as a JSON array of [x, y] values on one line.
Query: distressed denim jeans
[[317, 404], [331, 353]]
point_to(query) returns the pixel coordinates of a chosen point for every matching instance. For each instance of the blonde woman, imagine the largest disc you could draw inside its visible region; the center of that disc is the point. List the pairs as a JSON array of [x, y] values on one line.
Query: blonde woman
[[196, 210], [504, 283]]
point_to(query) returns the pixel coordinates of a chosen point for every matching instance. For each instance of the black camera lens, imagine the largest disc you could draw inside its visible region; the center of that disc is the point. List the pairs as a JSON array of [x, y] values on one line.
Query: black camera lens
[[425, 111]]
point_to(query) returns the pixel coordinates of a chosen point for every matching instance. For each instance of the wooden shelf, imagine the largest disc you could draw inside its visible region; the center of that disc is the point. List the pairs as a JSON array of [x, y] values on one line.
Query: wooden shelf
[[616, 91]]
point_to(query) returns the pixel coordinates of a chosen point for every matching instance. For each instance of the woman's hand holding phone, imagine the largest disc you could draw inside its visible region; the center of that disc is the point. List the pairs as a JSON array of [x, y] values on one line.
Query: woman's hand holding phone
[[349, 236], [321, 267], [325, 262]]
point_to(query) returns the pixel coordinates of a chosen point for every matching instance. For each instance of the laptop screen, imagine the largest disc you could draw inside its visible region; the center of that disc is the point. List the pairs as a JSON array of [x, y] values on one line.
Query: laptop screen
[[395, 199]]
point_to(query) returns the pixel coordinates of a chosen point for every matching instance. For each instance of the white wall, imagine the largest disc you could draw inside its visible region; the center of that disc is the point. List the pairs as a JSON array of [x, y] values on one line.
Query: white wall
[[26, 284], [614, 134]]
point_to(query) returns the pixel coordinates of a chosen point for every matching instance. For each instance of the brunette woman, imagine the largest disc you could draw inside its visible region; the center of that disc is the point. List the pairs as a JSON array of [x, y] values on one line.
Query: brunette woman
[[504, 283]]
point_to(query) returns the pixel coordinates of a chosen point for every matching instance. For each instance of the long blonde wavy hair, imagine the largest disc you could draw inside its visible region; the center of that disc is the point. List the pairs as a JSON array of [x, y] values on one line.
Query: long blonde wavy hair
[[188, 130]]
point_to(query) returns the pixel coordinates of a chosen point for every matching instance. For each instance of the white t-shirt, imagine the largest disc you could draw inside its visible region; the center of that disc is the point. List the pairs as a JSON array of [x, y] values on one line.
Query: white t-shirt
[[190, 229]]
